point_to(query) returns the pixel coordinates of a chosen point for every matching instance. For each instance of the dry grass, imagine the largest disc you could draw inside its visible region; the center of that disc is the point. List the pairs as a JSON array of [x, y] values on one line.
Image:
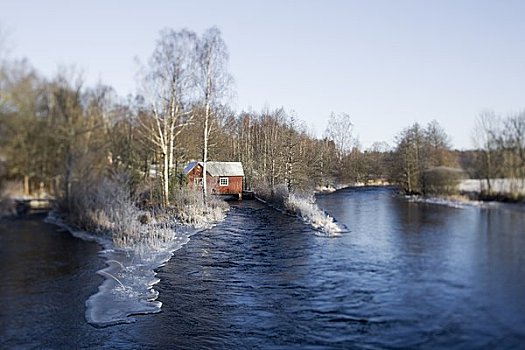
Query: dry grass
[[191, 209]]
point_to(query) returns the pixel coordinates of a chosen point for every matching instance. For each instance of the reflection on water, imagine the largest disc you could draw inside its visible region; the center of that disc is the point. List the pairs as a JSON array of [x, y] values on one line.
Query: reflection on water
[[407, 275]]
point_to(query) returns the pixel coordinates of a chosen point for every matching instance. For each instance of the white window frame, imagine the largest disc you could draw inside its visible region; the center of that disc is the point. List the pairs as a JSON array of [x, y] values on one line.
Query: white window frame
[[224, 181]]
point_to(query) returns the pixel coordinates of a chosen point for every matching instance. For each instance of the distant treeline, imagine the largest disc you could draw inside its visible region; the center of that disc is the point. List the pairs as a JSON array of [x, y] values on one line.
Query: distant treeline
[[58, 135]]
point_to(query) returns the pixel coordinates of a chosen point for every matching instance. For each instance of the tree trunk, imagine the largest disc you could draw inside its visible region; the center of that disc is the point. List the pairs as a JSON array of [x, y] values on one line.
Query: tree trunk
[[488, 173], [207, 98], [26, 185], [165, 180], [205, 151]]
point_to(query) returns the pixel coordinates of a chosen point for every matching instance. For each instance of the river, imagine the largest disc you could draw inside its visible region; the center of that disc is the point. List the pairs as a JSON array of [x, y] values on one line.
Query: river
[[405, 276]]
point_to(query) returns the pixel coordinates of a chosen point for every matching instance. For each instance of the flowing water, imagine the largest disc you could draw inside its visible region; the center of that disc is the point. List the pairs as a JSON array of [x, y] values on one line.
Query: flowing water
[[406, 275]]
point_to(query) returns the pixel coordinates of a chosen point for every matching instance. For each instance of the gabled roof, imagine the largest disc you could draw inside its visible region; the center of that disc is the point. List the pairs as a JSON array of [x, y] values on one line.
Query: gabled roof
[[189, 167], [218, 168]]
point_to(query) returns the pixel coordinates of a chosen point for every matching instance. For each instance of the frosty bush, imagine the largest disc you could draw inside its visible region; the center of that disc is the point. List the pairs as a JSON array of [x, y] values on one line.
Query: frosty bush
[[442, 181]]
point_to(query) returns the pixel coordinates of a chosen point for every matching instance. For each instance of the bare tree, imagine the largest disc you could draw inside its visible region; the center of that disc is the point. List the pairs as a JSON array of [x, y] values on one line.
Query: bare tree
[[340, 129], [214, 81], [375, 159], [408, 166], [5, 43], [168, 86], [418, 150], [515, 134], [512, 145], [438, 145], [485, 138], [20, 129]]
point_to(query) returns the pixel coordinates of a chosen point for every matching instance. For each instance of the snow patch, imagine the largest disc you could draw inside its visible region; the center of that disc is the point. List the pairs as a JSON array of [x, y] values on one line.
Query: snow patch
[[497, 185], [325, 189]]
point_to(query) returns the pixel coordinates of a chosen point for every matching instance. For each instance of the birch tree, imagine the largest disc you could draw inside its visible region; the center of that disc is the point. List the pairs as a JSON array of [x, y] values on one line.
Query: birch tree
[[168, 86], [214, 81]]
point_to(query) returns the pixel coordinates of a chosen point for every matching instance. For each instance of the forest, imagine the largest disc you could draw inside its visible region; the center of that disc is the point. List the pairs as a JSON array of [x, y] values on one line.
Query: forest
[[94, 151]]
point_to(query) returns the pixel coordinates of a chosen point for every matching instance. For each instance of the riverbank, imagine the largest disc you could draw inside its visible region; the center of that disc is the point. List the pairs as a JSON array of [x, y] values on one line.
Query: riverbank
[[129, 275], [331, 189], [494, 190], [463, 201], [507, 193]]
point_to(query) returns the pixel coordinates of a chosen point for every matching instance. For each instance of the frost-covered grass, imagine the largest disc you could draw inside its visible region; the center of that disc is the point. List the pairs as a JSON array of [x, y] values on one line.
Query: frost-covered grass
[[302, 205], [105, 208], [136, 242], [453, 201], [191, 209], [309, 211]]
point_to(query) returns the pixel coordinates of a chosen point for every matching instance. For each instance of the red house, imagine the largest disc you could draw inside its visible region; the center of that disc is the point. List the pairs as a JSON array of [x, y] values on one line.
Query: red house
[[222, 177]]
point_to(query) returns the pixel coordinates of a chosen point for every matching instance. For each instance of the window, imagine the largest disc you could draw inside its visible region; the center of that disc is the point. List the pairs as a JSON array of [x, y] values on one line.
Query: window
[[223, 181], [197, 181]]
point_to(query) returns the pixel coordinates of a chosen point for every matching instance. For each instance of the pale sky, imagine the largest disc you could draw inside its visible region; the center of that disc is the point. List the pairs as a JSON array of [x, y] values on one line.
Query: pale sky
[[386, 63]]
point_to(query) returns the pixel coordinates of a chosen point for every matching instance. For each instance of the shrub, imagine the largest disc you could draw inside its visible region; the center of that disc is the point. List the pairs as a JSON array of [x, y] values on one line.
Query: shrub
[[442, 181]]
